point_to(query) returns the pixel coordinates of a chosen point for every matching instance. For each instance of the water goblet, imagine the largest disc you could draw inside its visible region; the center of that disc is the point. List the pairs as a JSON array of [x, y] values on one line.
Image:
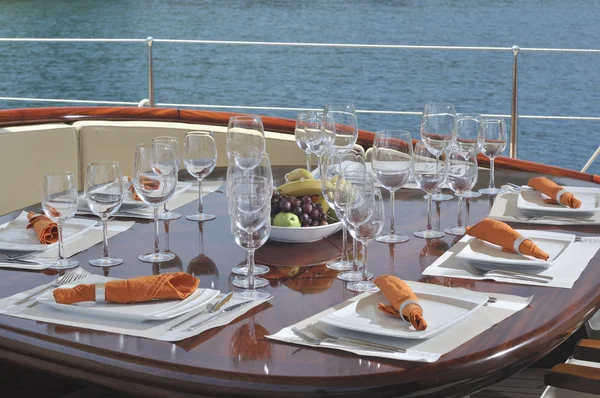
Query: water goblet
[[155, 180], [493, 144], [462, 176], [172, 141], [341, 119], [104, 196], [467, 140], [245, 140], [300, 135], [200, 158], [430, 172], [392, 164], [59, 203]]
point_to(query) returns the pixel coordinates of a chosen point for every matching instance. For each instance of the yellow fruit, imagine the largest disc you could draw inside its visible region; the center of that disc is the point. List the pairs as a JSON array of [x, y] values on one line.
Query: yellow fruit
[[301, 188], [298, 174], [323, 203]]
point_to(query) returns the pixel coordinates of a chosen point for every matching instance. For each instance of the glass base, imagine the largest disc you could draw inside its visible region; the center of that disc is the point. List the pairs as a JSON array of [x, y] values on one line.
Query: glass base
[[258, 270], [63, 264], [455, 231], [242, 282], [106, 262], [490, 191], [392, 238], [339, 265], [431, 234], [200, 217], [156, 257], [247, 295], [361, 286], [353, 276], [471, 194], [440, 197], [168, 215]]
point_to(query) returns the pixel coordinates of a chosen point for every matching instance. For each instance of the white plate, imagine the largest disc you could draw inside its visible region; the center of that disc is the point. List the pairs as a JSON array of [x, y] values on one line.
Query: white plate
[[531, 202], [442, 308], [15, 236], [487, 256], [303, 234], [149, 311]]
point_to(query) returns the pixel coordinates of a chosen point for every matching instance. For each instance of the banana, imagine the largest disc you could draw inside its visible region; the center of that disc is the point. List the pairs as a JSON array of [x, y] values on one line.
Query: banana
[[301, 188], [299, 174]]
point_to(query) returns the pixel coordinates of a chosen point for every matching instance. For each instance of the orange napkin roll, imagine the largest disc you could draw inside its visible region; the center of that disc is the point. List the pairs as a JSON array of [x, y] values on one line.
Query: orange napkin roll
[[176, 285], [503, 235], [552, 189], [45, 229], [148, 183], [397, 292]]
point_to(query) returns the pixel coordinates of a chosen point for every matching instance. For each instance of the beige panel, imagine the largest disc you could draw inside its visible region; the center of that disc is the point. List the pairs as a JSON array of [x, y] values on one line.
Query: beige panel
[[26, 154]]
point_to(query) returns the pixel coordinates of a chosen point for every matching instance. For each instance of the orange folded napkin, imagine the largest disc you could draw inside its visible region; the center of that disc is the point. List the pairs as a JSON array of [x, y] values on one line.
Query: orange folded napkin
[[398, 292], [148, 183], [176, 285], [552, 189], [501, 234], [45, 229]]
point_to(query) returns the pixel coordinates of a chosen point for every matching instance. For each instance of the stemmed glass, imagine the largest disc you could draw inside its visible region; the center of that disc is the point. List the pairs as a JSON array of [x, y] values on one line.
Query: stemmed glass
[[462, 176], [467, 140], [245, 141], [104, 195], [392, 164], [320, 134], [59, 202], [300, 135], [430, 173], [172, 141], [155, 180], [493, 144], [438, 124], [341, 119], [200, 158]]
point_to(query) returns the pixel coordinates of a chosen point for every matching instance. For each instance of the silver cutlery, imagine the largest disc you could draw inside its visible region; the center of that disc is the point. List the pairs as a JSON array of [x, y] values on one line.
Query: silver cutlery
[[512, 275], [18, 254], [318, 341], [209, 309], [63, 280], [523, 217], [218, 315], [588, 239], [18, 260], [327, 337], [514, 186]]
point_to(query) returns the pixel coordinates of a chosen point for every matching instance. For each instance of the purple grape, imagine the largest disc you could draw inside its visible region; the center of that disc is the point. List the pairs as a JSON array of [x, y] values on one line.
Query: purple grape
[[306, 225], [298, 211], [275, 207], [315, 214], [315, 223], [297, 202], [285, 205], [319, 206], [323, 216], [307, 199], [304, 218], [323, 222], [307, 207]]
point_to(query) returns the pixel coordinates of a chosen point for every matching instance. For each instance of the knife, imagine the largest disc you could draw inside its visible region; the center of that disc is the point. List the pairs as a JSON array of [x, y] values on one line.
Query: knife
[[217, 306], [218, 315]]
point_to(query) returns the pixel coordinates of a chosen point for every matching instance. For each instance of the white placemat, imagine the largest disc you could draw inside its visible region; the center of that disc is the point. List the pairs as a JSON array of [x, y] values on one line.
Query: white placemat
[[565, 272], [156, 330], [416, 350]]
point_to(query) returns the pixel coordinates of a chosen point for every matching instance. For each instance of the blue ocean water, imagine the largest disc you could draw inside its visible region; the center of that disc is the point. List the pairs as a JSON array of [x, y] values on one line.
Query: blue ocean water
[[559, 84]]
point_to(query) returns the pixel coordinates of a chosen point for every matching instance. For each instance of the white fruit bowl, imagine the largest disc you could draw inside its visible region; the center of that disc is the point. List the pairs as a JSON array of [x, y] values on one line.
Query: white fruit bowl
[[303, 234]]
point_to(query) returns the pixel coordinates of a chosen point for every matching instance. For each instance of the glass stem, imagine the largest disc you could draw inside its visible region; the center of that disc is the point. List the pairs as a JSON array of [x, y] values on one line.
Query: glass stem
[[200, 204], [61, 253], [392, 227], [156, 242], [105, 237], [459, 222], [308, 161], [365, 272], [355, 255], [251, 269], [167, 244], [428, 228], [492, 184], [344, 244]]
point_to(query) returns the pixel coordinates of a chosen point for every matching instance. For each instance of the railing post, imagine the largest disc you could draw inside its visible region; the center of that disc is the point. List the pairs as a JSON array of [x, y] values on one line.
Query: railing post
[[149, 41], [514, 113]]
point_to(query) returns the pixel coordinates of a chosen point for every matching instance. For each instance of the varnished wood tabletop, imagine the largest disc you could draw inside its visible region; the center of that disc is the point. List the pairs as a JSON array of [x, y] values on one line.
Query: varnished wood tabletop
[[236, 360]]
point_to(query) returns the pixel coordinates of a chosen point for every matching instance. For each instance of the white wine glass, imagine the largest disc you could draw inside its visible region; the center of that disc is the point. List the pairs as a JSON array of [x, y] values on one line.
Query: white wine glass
[[155, 180], [392, 164], [462, 176], [493, 144], [200, 159], [467, 140], [169, 140], [344, 124], [59, 202], [320, 135], [104, 196], [246, 140], [300, 135]]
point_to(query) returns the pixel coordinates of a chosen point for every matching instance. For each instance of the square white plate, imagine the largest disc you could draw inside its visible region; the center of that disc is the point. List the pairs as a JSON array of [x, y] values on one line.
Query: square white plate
[[15, 236], [442, 308], [531, 202], [487, 256]]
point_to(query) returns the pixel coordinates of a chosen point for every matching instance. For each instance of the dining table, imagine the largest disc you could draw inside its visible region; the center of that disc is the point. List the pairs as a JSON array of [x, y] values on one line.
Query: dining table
[[237, 360]]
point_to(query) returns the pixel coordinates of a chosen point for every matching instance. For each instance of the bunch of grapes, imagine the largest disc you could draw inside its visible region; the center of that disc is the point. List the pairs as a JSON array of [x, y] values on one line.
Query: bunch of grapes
[[310, 214]]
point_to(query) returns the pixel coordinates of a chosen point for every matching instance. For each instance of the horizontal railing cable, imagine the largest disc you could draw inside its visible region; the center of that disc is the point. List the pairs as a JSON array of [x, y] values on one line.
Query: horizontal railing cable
[[68, 101]]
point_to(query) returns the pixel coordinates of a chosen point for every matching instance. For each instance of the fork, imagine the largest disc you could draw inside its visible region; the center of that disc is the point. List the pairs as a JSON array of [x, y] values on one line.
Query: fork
[[327, 337], [66, 278], [512, 275], [523, 217], [316, 341], [588, 239], [4, 258]]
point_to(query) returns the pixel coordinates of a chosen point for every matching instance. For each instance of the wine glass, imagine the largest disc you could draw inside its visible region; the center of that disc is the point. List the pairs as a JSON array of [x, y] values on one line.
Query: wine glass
[[300, 135], [246, 140], [320, 134], [493, 144], [462, 176], [365, 215], [59, 202], [104, 196], [155, 180], [200, 158], [392, 164], [467, 140], [430, 173], [438, 124], [341, 119], [168, 140]]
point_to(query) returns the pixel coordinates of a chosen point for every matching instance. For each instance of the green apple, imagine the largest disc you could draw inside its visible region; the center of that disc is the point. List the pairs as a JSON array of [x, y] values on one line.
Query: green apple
[[286, 220]]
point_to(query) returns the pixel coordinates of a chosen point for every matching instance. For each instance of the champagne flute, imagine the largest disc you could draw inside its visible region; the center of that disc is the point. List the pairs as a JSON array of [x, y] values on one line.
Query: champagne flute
[[438, 124], [169, 140], [300, 135], [462, 176], [155, 180], [430, 173], [493, 144], [467, 140], [59, 202], [104, 196], [200, 158], [246, 140], [392, 164], [341, 119]]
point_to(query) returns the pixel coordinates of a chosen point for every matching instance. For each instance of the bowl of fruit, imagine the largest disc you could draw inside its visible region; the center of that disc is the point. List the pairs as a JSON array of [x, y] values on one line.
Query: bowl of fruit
[[299, 212]]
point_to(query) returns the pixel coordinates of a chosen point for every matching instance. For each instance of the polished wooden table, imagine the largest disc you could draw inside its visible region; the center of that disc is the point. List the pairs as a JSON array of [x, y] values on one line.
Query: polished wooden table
[[237, 360]]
